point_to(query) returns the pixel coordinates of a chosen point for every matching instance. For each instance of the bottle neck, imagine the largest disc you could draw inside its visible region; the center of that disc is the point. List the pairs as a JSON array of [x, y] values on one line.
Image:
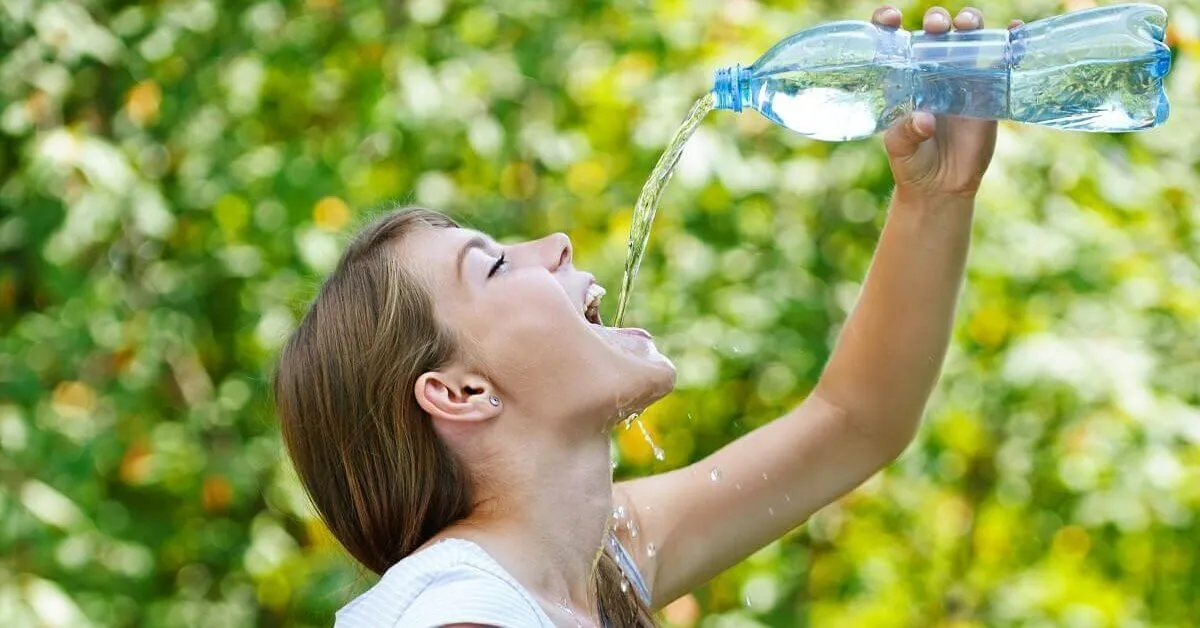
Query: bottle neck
[[731, 87]]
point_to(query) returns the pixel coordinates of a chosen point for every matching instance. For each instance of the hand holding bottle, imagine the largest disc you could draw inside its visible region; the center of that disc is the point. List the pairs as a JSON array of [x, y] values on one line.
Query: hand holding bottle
[[938, 156]]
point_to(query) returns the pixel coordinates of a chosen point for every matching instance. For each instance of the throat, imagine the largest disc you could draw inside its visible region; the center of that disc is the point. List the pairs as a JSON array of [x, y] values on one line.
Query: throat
[[546, 522]]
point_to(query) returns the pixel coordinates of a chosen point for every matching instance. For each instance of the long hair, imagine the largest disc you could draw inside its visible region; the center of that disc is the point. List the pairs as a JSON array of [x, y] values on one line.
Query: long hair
[[367, 454]]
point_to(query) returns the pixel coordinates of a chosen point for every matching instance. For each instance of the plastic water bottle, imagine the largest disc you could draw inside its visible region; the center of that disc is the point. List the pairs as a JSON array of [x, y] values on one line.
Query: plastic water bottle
[[1094, 70]]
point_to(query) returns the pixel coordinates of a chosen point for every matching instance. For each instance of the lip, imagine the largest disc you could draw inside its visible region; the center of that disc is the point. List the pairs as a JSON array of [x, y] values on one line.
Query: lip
[[633, 331]]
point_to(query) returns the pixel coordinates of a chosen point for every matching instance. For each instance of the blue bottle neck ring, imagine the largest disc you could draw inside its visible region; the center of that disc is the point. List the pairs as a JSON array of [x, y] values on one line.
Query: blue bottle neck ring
[[731, 86]]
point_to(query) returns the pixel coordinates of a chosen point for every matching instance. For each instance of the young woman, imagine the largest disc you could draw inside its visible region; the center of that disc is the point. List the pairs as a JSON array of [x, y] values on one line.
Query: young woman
[[448, 403]]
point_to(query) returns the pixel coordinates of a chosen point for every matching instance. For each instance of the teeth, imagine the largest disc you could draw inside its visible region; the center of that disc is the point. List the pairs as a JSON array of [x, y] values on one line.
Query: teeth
[[591, 309], [594, 294]]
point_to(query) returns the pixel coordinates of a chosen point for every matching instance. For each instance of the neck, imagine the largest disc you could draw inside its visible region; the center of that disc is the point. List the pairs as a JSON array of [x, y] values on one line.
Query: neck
[[545, 516]]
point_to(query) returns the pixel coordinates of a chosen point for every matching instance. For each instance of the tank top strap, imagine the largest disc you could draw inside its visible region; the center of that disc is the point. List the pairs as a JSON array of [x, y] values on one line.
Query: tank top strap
[[628, 567]]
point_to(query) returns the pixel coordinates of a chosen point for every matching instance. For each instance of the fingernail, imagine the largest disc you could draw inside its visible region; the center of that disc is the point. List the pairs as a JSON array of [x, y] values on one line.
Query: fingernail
[[889, 13], [939, 19], [972, 18]]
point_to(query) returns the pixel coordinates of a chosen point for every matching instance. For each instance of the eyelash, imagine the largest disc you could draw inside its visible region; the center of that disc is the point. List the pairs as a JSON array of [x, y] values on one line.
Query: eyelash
[[496, 267]]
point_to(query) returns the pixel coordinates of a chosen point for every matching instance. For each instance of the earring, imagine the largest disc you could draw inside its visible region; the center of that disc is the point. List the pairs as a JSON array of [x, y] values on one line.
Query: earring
[[494, 400]]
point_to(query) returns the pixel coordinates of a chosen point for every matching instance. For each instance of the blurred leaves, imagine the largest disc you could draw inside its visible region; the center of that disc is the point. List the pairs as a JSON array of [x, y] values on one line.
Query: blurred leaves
[[176, 177]]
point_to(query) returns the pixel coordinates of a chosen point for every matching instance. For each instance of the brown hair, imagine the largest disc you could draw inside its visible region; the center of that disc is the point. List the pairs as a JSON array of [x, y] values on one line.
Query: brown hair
[[368, 456]]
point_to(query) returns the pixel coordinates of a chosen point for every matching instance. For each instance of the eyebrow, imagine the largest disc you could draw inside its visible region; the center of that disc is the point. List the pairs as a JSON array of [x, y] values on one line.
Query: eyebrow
[[477, 242]]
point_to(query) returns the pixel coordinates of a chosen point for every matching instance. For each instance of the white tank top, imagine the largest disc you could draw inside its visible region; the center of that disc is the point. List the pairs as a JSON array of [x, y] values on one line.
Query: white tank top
[[451, 582]]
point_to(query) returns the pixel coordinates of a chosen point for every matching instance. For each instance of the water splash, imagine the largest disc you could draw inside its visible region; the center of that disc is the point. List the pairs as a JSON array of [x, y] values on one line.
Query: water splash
[[651, 551], [566, 608], [647, 201], [620, 520], [715, 474], [659, 454]]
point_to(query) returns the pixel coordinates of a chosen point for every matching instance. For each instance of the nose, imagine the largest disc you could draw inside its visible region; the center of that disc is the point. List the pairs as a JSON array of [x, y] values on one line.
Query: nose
[[556, 251]]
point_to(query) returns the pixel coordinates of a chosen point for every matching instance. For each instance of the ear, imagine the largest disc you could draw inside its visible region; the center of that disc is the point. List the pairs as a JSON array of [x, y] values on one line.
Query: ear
[[449, 396]]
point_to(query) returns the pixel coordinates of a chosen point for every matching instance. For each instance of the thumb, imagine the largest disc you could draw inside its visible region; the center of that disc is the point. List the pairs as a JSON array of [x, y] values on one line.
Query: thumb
[[903, 139]]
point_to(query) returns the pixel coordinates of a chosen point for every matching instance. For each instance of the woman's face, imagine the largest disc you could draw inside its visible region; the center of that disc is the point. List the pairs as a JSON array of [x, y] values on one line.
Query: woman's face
[[521, 314]]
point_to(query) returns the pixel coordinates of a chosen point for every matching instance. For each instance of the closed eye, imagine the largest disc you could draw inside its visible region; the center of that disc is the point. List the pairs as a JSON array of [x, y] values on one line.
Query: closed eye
[[497, 266]]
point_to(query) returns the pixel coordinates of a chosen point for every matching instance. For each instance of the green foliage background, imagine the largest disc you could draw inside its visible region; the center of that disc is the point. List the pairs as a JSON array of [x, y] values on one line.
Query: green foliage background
[[176, 177]]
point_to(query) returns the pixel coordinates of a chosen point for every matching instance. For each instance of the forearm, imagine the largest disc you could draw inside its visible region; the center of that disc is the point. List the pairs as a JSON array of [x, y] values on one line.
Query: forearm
[[891, 348]]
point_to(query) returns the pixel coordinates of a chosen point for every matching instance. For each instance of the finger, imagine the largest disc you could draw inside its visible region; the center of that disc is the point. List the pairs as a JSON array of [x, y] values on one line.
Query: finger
[[905, 138], [968, 19], [886, 15], [937, 20], [1015, 24]]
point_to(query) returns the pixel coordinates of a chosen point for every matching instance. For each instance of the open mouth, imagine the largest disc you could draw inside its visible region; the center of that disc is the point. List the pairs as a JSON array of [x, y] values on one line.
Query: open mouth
[[635, 341], [591, 307]]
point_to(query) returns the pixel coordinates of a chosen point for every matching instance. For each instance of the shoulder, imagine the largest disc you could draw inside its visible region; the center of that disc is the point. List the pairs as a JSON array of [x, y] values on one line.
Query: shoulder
[[452, 583]]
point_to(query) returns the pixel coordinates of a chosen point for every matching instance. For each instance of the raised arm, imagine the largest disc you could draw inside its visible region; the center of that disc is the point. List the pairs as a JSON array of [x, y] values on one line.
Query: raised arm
[[868, 402], [861, 415]]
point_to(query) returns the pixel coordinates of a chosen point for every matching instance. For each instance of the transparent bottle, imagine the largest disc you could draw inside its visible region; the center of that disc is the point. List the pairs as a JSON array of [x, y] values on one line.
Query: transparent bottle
[[1098, 69]]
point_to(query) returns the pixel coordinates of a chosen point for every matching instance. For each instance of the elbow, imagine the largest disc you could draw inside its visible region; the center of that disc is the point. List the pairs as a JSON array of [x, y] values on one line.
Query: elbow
[[888, 433], [895, 444], [887, 429]]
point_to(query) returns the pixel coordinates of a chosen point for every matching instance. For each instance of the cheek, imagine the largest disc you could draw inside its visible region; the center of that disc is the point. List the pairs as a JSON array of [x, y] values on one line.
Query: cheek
[[532, 323]]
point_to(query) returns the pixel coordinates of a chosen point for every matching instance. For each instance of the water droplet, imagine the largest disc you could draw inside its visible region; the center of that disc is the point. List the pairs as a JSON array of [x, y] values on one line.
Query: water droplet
[[690, 419], [715, 474], [659, 454], [739, 486], [651, 551], [749, 602], [614, 463], [737, 349], [630, 419], [787, 497], [770, 511], [764, 476], [624, 585]]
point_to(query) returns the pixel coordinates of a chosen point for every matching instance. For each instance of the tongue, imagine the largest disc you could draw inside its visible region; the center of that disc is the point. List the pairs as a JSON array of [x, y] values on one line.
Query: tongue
[[630, 339]]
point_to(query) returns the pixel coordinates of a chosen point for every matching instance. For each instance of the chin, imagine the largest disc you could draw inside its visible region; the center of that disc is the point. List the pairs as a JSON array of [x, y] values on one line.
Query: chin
[[665, 376], [654, 380]]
